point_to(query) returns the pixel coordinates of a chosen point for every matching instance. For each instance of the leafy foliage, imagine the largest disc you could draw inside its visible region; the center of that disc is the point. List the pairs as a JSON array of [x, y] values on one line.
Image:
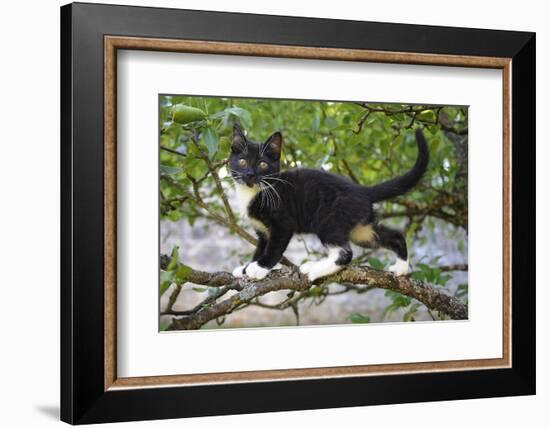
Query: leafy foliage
[[432, 275], [359, 319]]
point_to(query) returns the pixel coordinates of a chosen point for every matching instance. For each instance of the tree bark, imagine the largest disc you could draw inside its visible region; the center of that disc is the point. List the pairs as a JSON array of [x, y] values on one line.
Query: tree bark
[[432, 297]]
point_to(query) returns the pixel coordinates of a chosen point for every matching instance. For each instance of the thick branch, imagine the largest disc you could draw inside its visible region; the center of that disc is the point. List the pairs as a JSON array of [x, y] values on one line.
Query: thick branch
[[432, 297]]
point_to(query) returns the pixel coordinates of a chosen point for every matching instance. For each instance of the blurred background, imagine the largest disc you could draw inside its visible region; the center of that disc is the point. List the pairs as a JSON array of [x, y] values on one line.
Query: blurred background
[[366, 142]]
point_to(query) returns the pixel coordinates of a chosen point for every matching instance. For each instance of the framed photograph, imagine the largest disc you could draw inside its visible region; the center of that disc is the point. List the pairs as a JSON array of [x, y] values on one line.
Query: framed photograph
[[266, 213]]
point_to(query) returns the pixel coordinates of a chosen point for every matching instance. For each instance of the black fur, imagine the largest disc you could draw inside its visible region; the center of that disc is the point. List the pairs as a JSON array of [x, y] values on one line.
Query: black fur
[[314, 201]]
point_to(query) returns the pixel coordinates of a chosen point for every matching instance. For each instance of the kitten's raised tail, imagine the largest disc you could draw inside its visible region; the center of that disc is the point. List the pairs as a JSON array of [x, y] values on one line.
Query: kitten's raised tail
[[402, 184]]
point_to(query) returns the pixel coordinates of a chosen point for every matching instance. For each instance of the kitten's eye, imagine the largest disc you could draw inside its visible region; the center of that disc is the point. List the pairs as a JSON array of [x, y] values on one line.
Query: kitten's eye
[[263, 165], [242, 162]]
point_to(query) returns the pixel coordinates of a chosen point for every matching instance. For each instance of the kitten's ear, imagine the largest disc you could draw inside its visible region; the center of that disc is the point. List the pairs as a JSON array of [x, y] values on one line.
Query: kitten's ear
[[274, 144], [238, 142]]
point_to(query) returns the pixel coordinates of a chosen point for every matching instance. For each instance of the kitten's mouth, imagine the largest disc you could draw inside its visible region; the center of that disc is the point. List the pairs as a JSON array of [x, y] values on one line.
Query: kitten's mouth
[[250, 182], [247, 182]]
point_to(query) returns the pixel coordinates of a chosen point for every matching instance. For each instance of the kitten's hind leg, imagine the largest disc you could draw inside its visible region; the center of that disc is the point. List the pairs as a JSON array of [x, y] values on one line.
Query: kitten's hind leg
[[338, 257], [395, 241]]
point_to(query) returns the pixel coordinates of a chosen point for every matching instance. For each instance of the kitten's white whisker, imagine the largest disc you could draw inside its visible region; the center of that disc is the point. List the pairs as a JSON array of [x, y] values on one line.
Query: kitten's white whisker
[[278, 179], [263, 195], [276, 176], [267, 195], [271, 186], [270, 199], [274, 190]]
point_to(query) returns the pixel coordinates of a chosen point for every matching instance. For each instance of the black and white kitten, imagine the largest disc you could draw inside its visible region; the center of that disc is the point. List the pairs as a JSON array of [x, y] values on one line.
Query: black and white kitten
[[281, 204]]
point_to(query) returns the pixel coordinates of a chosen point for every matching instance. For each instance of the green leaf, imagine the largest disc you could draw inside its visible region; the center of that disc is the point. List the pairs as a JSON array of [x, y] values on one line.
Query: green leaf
[[211, 141], [171, 129], [423, 267], [200, 289], [443, 279], [169, 170], [164, 325], [375, 263], [165, 280], [408, 316], [359, 319], [398, 300], [315, 291], [174, 215], [418, 275], [217, 115], [432, 129], [330, 122], [182, 273], [315, 123], [426, 116], [462, 291], [243, 115], [173, 258]]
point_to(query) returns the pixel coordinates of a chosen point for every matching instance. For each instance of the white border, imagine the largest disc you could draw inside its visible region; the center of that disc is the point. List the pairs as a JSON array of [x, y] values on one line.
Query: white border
[[142, 351]]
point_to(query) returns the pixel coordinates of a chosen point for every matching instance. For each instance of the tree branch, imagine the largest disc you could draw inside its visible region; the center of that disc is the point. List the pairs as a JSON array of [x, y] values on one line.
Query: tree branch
[[213, 169], [174, 152], [432, 297]]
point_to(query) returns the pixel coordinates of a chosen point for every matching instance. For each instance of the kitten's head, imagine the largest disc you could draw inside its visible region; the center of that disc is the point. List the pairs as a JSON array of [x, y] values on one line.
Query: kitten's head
[[250, 161]]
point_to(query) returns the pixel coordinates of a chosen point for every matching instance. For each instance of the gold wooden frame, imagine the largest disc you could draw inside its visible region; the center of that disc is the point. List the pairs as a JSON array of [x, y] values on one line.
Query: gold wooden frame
[[113, 43]]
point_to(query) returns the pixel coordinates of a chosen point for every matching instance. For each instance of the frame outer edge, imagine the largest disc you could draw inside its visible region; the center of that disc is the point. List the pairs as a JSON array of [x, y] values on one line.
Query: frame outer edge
[[66, 304], [81, 401], [523, 131], [240, 27]]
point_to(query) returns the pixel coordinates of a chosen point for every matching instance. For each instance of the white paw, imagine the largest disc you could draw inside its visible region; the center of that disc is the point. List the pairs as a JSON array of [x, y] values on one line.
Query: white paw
[[306, 267], [255, 271], [318, 269], [400, 267], [238, 272], [278, 266], [314, 274]]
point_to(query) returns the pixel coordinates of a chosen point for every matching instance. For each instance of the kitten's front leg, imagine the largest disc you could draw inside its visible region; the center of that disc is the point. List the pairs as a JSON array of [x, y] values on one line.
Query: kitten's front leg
[[271, 256], [240, 271], [243, 270], [255, 271]]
